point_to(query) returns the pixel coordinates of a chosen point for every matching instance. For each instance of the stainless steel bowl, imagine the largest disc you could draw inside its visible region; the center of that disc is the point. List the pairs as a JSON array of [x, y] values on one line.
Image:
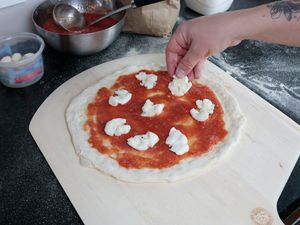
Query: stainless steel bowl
[[79, 44]]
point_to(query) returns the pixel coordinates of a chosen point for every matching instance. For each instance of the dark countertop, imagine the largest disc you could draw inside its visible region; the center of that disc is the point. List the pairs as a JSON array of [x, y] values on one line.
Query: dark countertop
[[30, 192]]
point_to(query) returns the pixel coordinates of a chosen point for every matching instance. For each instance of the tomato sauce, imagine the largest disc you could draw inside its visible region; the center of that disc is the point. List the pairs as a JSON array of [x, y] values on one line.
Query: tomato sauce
[[202, 136], [50, 24]]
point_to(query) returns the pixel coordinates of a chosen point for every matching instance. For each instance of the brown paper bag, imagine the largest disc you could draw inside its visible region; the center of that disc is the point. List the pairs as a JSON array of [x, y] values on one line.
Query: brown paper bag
[[156, 19]]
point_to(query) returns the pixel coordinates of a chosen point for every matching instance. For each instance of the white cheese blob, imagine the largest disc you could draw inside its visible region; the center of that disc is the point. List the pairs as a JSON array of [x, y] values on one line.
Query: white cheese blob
[[6, 59], [177, 141], [28, 55], [205, 108], [179, 86], [16, 57], [150, 109], [122, 97], [143, 142], [147, 80], [116, 127]]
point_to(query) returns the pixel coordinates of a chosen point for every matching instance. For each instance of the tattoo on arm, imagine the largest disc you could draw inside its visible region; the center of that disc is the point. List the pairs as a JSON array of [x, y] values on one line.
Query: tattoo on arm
[[289, 9]]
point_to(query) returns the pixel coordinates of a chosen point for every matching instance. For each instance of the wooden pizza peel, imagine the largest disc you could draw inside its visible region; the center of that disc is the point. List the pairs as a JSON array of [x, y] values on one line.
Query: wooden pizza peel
[[242, 188]]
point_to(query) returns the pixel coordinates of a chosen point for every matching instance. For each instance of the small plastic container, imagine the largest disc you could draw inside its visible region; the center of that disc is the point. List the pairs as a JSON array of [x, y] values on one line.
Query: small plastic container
[[17, 74]]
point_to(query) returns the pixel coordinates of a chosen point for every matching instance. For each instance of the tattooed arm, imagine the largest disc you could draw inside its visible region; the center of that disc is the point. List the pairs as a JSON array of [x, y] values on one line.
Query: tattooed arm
[[278, 22], [196, 39]]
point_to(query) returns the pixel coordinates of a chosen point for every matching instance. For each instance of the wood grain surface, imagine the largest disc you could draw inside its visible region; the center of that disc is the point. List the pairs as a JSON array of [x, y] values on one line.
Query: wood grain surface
[[242, 188]]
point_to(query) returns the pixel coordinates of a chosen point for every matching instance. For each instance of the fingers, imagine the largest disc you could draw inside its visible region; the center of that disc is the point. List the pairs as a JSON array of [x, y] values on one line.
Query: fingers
[[172, 61], [183, 57], [171, 56], [198, 68], [196, 72], [187, 63], [174, 53], [176, 49], [182, 62]]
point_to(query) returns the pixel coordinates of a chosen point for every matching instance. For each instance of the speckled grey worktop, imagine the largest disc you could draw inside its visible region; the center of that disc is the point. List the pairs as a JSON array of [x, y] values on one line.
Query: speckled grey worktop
[[29, 191]]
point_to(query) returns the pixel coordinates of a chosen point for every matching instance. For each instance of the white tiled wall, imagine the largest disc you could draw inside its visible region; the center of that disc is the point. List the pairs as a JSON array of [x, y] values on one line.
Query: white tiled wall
[[17, 18]]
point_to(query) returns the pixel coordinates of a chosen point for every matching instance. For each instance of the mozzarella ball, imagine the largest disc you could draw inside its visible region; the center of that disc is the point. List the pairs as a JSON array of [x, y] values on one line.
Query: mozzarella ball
[[28, 55], [6, 59], [16, 57]]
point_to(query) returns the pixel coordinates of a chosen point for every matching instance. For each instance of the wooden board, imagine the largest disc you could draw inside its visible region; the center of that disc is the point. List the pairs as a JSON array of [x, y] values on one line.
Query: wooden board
[[247, 181]]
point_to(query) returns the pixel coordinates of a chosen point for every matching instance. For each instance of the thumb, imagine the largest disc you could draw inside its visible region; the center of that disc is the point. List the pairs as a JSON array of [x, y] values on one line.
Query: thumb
[[187, 63]]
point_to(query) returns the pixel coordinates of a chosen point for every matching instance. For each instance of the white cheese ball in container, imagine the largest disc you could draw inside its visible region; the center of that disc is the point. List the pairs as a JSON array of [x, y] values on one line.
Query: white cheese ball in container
[[21, 61], [208, 7]]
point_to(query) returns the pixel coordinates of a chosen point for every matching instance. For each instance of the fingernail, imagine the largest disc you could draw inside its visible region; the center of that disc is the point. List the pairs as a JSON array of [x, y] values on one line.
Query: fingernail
[[180, 73]]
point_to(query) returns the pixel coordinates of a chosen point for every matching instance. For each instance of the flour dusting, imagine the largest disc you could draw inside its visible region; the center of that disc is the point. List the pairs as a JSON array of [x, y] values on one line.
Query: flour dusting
[[133, 51], [147, 45], [273, 73], [220, 60]]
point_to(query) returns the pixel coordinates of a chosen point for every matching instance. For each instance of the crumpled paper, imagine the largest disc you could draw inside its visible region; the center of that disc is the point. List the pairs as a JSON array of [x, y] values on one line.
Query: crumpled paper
[[156, 19]]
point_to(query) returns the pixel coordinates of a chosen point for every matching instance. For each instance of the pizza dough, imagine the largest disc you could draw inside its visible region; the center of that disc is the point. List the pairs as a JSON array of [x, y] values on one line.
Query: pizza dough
[[76, 118]]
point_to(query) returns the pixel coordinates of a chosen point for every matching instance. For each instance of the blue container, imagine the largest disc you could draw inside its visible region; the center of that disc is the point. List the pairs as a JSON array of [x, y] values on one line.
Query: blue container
[[26, 71]]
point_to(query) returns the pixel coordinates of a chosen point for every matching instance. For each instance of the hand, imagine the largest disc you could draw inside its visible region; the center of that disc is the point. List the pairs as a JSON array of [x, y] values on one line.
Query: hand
[[195, 40]]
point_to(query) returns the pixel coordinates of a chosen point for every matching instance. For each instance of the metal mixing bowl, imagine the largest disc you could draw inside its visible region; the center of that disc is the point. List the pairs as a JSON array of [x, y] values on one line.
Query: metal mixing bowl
[[79, 44]]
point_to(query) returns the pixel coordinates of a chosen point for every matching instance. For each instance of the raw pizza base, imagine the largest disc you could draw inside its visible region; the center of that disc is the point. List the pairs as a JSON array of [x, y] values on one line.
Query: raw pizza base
[[76, 118]]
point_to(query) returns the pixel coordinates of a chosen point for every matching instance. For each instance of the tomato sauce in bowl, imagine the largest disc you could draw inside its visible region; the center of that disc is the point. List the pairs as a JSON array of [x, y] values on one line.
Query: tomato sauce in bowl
[[91, 40], [51, 26]]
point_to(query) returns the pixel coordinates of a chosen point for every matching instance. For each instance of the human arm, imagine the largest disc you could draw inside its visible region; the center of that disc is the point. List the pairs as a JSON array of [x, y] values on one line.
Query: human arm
[[197, 39]]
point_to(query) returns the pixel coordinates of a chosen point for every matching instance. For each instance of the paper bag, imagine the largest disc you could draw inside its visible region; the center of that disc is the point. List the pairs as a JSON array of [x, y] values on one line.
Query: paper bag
[[156, 19]]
